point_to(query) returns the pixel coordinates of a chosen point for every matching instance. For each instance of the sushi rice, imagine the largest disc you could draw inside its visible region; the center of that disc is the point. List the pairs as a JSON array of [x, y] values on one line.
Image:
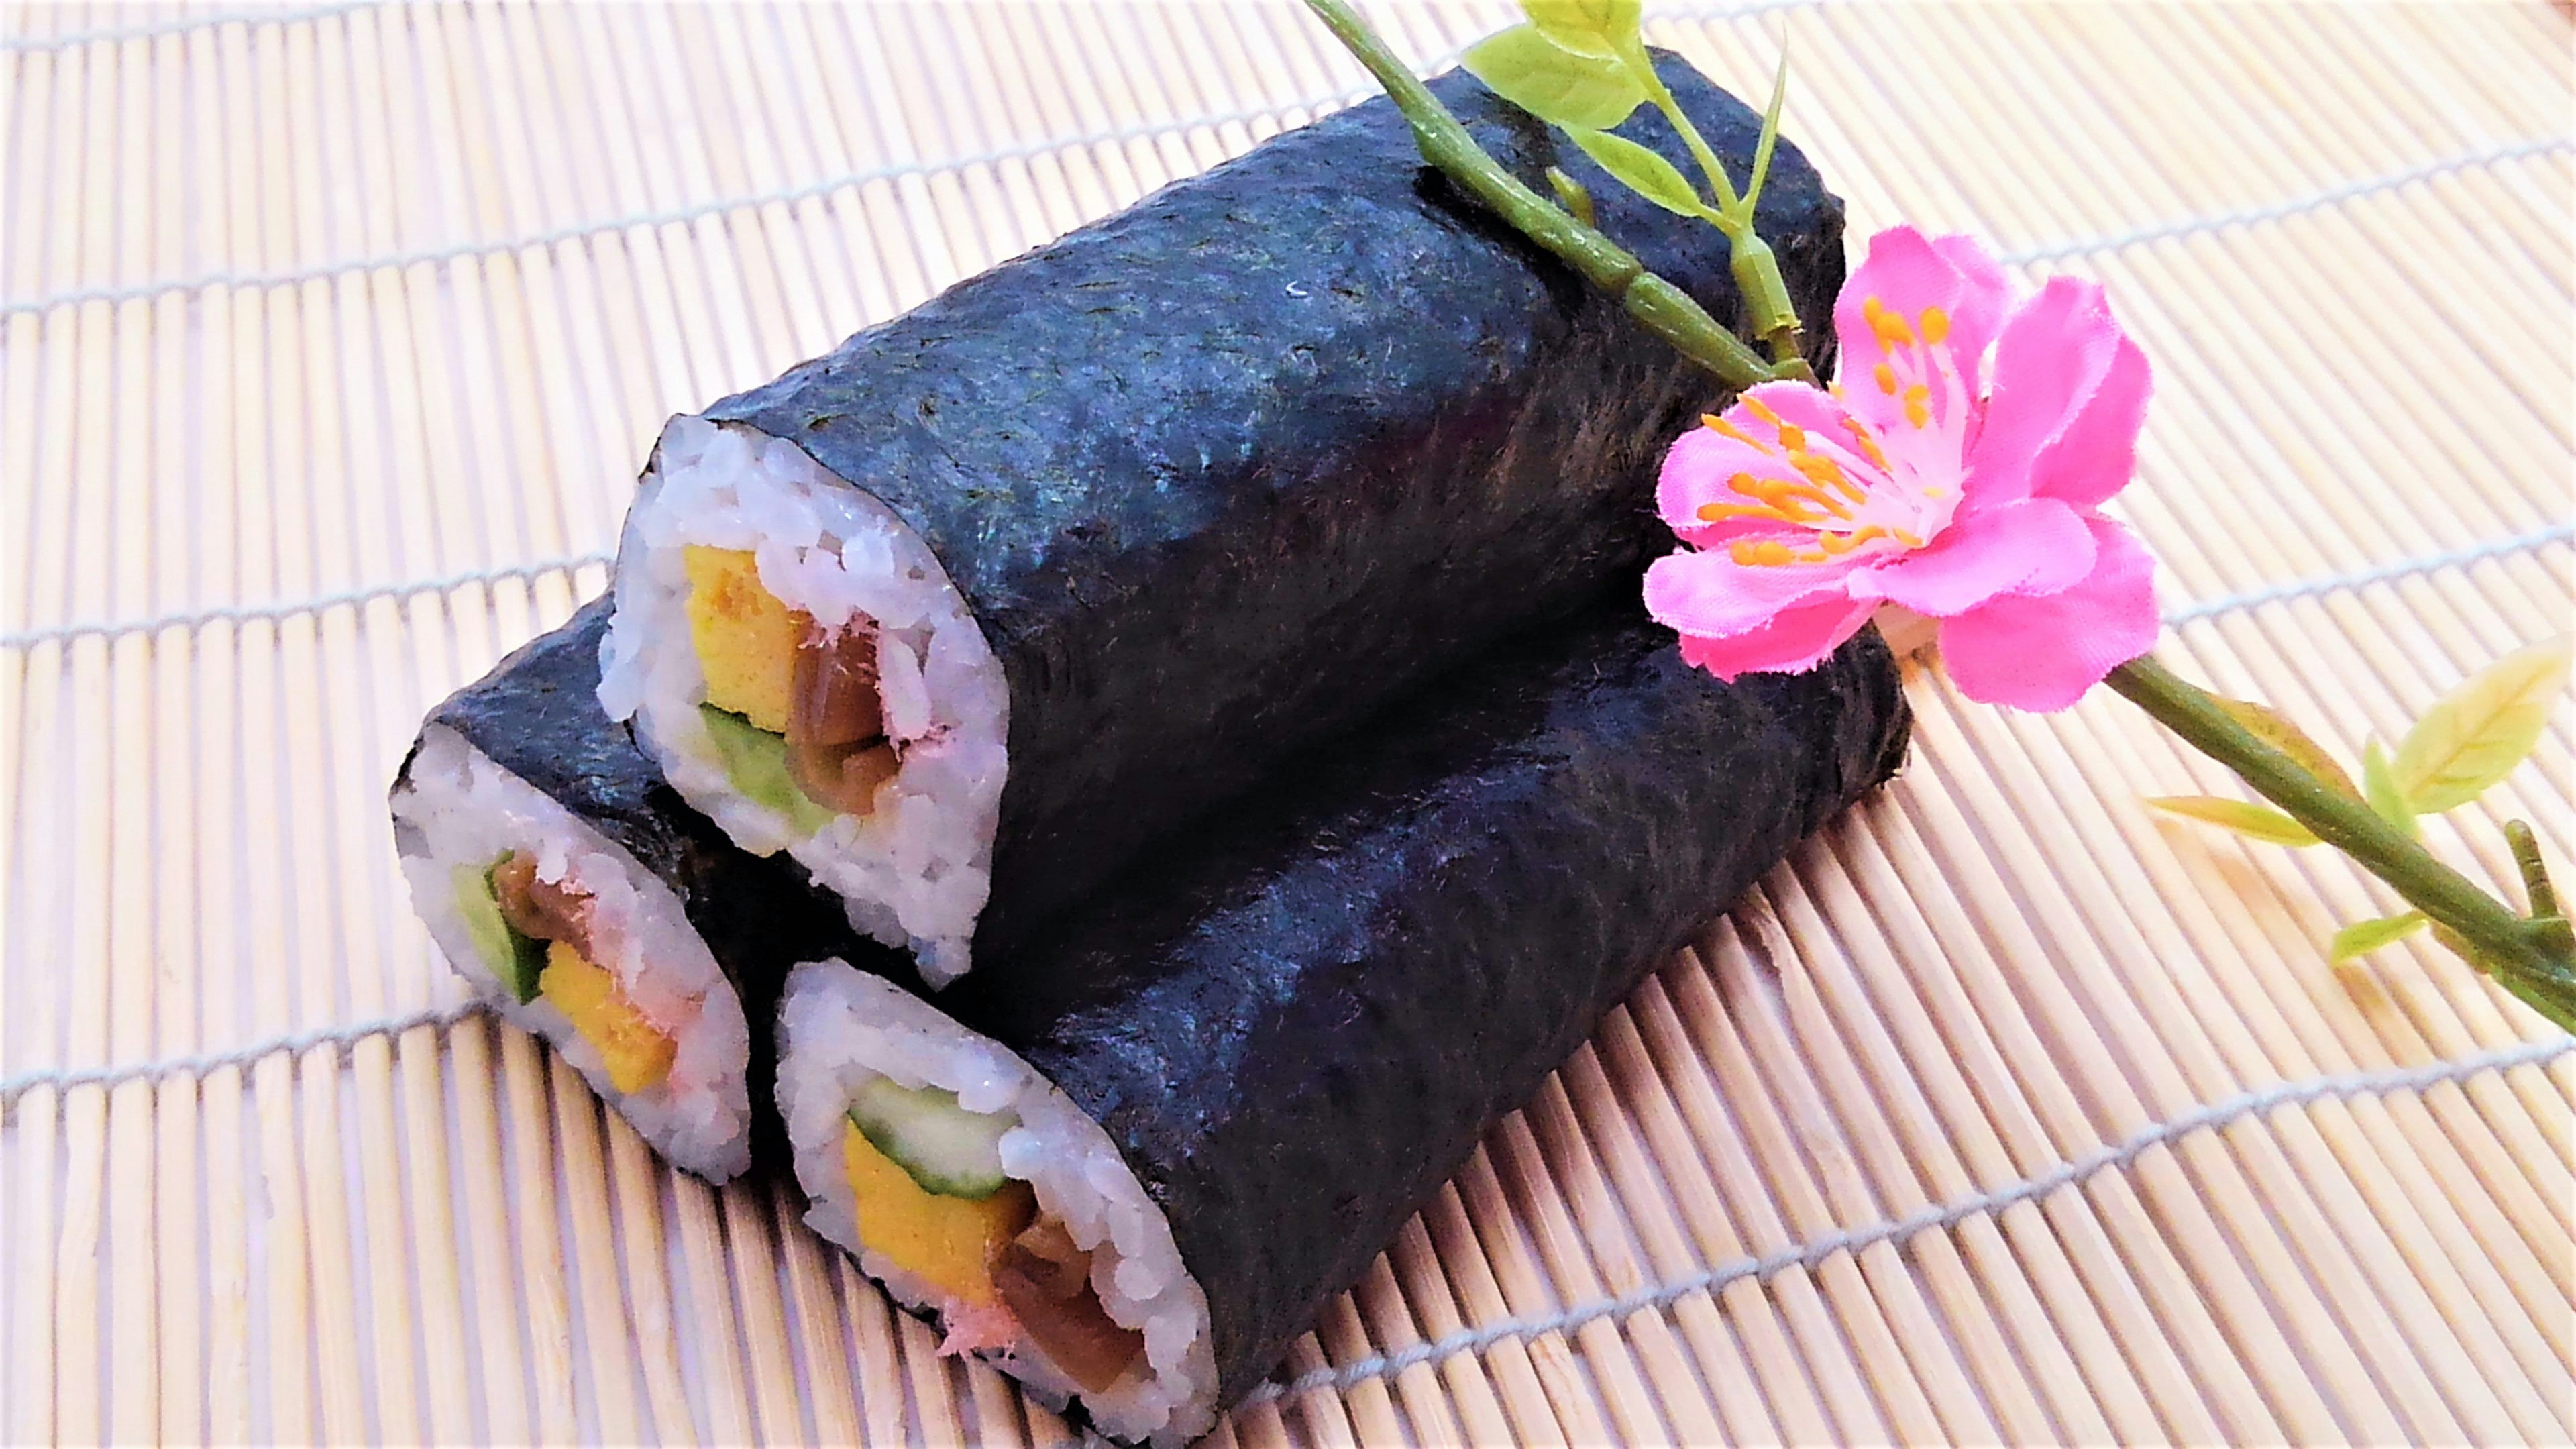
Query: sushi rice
[[456, 811], [839, 1028], [915, 872]]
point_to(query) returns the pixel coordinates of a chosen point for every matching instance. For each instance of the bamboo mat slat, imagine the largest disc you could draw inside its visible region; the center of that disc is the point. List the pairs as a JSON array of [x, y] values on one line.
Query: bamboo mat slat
[[333, 336]]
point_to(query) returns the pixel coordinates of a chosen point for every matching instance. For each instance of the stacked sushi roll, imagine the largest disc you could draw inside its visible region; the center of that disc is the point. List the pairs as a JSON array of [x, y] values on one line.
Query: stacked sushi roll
[[1129, 1165], [984, 1197], [802, 669], [590, 906], [964, 612], [1301, 488]]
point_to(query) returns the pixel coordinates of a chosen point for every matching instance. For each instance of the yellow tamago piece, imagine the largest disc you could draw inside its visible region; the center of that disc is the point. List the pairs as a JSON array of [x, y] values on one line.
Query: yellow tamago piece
[[949, 1242], [638, 1056], [746, 639]]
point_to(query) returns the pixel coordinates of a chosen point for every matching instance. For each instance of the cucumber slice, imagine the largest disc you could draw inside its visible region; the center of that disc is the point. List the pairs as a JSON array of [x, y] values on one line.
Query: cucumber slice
[[756, 762], [947, 1149], [514, 959]]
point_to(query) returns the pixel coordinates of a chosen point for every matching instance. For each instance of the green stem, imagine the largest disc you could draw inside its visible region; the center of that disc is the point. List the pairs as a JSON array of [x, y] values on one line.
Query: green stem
[[2545, 914], [2535, 871], [2518, 953], [1730, 218], [1665, 309], [1769, 314], [1768, 310]]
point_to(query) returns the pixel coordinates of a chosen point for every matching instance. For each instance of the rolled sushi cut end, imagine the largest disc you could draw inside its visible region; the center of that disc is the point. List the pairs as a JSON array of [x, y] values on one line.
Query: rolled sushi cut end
[[802, 669], [568, 937], [962, 1180]]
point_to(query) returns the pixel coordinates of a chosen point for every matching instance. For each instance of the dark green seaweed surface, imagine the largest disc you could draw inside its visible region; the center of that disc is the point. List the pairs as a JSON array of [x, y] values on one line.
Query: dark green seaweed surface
[[537, 715], [1225, 471], [1297, 1022]]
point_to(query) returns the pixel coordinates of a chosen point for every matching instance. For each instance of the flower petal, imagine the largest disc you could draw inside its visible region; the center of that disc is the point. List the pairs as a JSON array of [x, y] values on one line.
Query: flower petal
[[1794, 642], [1907, 272], [2037, 546], [2051, 359], [2096, 453], [1712, 595], [2041, 652]]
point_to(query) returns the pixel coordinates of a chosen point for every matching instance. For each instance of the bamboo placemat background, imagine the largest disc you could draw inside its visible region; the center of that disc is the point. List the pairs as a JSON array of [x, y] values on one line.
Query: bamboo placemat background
[[334, 339]]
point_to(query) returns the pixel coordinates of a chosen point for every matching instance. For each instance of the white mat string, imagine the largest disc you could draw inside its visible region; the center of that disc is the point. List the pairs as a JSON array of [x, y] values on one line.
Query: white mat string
[[677, 216], [278, 612], [359, 598], [2538, 538], [2337, 195], [1810, 1254], [1814, 1253], [809, 191], [69, 39], [340, 1039]]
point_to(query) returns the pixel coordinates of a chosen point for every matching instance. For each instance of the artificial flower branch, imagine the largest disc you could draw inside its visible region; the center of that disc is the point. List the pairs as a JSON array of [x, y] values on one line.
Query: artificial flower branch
[[1772, 316], [1665, 310], [2530, 957], [1964, 487]]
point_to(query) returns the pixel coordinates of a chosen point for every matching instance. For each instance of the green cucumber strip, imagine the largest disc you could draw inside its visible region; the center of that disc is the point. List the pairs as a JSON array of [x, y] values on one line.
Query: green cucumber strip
[[515, 959], [756, 762], [945, 1148]]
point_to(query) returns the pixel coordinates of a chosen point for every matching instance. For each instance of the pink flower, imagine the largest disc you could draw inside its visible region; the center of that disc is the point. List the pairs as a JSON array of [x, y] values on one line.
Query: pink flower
[[1958, 483]]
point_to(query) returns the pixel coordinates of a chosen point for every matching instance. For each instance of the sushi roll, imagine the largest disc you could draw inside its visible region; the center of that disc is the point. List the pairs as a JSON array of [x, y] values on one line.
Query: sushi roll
[[1126, 1165], [590, 906], [962, 614]]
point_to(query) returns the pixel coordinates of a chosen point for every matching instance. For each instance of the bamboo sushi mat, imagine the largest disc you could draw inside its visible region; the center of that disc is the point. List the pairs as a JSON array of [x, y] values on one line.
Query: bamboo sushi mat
[[335, 336]]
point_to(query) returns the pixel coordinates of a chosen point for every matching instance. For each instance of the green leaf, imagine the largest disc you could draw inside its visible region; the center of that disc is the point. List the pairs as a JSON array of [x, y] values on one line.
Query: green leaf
[[2363, 937], [1770, 139], [2474, 736], [1591, 92], [2275, 729], [2257, 822], [1641, 171], [2379, 787], [1592, 27]]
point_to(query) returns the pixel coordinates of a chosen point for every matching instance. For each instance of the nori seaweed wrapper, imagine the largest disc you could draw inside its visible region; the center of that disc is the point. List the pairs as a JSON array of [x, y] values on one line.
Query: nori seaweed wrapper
[[537, 715], [1224, 472], [1297, 1023]]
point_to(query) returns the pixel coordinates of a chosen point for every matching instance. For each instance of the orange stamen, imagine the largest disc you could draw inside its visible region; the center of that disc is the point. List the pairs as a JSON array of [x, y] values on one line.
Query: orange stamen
[[1782, 492], [1720, 512], [1730, 430], [1936, 326], [1842, 543], [1831, 546], [1791, 437], [1890, 327], [1886, 376], [1868, 445], [1823, 470]]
